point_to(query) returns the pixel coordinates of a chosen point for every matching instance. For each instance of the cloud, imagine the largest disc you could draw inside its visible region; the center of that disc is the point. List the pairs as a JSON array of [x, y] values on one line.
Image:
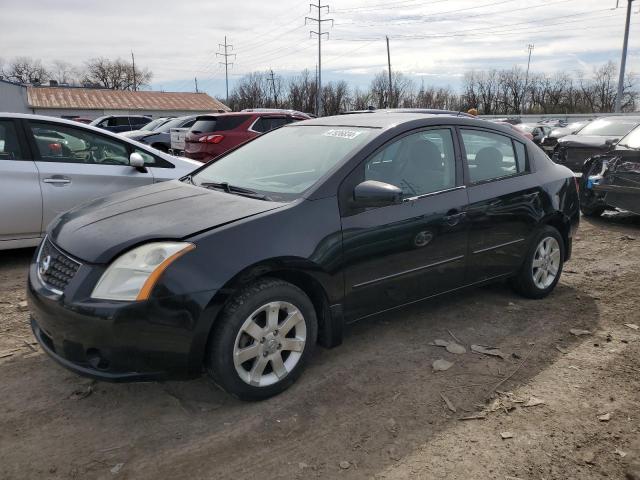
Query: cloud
[[432, 40]]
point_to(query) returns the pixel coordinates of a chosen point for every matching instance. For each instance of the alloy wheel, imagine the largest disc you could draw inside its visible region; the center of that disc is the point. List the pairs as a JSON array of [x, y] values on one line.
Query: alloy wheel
[[269, 344], [546, 263]]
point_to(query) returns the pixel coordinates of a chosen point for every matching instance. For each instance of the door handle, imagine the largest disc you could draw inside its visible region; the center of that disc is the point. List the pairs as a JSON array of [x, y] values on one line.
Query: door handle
[[453, 217], [57, 180]]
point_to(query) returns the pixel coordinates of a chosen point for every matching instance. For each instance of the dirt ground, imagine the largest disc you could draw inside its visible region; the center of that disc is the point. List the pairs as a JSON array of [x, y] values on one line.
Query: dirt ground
[[373, 407]]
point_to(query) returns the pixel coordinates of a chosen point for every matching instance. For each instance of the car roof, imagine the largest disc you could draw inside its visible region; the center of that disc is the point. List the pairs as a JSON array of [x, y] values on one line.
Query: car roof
[[435, 111], [390, 119]]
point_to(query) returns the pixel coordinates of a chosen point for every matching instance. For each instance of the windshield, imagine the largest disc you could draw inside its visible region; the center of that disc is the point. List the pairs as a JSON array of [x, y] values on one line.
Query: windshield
[[632, 140], [607, 127], [153, 124], [286, 162], [174, 123]]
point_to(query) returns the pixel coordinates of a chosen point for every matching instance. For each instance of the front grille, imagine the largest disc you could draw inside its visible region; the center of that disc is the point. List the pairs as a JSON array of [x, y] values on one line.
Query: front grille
[[55, 268]]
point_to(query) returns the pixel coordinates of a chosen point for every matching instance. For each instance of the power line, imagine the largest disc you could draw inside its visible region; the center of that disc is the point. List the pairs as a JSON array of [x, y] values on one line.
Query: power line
[[319, 20], [226, 63]]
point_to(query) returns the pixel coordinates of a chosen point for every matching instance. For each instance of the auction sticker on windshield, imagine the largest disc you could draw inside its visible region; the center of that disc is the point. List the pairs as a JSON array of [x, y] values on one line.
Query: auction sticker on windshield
[[341, 133]]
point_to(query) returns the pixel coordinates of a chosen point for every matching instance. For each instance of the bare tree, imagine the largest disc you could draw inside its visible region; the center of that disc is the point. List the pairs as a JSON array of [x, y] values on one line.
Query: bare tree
[[302, 92], [27, 70], [63, 72], [115, 74]]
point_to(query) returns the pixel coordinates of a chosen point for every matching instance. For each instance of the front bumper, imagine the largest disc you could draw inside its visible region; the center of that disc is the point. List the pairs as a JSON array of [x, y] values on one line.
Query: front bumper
[[162, 338]]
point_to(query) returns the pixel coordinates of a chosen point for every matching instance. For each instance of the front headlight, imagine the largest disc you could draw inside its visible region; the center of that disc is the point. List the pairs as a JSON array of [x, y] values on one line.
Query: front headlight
[[133, 275]]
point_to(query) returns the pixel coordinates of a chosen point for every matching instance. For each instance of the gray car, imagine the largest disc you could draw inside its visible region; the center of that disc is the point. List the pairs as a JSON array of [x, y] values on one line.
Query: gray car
[[50, 165]]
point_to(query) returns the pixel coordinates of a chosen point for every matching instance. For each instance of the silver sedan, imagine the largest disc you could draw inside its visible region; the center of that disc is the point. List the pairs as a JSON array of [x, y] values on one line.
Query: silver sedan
[[50, 165]]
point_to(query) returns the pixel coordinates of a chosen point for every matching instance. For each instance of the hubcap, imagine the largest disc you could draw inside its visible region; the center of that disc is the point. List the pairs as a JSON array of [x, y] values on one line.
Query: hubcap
[[546, 263], [269, 344]]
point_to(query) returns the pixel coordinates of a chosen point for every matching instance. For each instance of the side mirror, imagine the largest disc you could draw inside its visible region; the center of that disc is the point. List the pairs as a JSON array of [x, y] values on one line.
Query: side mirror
[[136, 160], [611, 142], [372, 193]]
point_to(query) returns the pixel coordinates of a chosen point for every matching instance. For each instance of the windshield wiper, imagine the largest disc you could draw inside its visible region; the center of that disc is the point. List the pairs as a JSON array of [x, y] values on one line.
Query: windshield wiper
[[233, 189]]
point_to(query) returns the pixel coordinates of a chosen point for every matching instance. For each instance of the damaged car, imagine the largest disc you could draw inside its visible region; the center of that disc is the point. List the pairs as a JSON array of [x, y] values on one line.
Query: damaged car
[[596, 138], [612, 181], [239, 268]]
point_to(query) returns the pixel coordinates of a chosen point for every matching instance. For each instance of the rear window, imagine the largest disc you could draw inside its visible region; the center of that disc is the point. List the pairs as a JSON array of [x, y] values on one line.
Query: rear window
[[218, 124]]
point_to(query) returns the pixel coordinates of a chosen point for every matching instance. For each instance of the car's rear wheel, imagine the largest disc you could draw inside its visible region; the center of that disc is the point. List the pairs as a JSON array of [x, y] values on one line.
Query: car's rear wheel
[[263, 339], [542, 267]]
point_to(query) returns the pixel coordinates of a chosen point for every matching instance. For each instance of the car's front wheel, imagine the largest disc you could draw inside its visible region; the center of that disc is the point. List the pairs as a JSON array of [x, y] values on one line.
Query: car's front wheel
[[262, 340], [542, 267]]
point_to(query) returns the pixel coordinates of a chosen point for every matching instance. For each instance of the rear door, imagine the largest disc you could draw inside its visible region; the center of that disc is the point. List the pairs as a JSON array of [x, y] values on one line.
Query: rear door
[[504, 202], [76, 165], [21, 198], [402, 253]]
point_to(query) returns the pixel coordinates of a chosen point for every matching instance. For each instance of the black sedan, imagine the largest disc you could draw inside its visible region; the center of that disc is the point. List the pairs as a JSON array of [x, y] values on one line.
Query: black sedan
[[596, 138], [549, 142], [160, 137], [612, 180], [240, 268]]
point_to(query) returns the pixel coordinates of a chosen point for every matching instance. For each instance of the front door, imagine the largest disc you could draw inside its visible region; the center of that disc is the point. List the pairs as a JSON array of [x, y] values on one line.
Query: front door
[[402, 253], [77, 165], [20, 200], [505, 203]]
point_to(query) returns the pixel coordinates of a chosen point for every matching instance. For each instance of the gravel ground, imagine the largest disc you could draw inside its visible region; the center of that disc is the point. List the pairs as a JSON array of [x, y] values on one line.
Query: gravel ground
[[373, 407]]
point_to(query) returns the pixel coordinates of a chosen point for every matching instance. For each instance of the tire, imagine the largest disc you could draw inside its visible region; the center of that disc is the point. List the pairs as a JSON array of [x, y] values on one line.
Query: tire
[[535, 278], [248, 329], [592, 211]]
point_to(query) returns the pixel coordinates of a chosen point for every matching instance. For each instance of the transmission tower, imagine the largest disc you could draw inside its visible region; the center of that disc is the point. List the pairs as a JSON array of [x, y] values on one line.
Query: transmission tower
[[226, 62], [319, 20]]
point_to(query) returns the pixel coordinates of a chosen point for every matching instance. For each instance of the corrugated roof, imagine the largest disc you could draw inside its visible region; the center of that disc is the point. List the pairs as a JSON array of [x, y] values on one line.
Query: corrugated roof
[[105, 99]]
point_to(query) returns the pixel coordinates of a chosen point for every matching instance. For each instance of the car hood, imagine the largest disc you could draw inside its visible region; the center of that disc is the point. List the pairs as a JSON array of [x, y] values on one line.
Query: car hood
[[585, 141], [135, 133], [98, 231]]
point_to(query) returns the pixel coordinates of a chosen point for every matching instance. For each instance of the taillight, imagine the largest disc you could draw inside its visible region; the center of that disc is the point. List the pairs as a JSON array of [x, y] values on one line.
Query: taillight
[[211, 139]]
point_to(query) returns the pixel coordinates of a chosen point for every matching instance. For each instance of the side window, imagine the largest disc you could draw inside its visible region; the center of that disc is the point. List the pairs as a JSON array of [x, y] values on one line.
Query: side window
[[419, 163], [139, 121], [152, 160], [260, 125], [121, 121], [61, 143], [491, 155], [275, 122], [189, 124], [9, 145], [110, 122]]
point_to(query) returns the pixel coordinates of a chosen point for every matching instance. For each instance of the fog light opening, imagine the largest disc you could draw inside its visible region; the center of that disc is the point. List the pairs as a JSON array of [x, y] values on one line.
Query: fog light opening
[[96, 360]]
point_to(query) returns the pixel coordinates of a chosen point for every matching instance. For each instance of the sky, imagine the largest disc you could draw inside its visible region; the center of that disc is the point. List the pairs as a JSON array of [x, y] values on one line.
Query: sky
[[431, 41]]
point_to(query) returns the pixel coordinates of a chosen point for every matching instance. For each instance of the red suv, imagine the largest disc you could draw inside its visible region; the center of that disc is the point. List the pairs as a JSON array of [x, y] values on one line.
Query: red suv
[[214, 134]]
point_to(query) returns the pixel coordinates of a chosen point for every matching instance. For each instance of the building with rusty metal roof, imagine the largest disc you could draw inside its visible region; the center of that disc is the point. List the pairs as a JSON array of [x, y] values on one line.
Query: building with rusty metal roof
[[71, 102]]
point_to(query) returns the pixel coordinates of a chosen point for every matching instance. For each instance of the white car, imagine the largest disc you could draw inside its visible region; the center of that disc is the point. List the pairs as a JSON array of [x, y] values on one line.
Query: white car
[[49, 165]]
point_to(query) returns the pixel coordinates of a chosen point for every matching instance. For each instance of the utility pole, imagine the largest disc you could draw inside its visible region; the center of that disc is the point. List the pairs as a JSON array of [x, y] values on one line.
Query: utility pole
[[530, 47], [196, 80], [623, 60], [273, 86], [133, 62], [226, 63], [319, 20], [390, 85]]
